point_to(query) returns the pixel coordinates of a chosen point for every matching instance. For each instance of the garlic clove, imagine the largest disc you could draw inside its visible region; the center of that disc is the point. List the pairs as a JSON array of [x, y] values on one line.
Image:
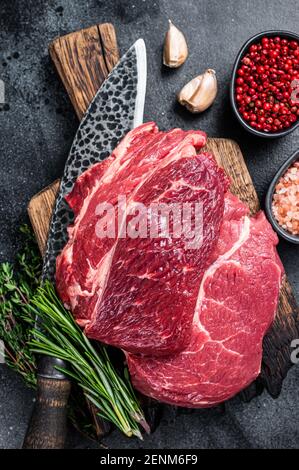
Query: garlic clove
[[200, 93], [175, 50]]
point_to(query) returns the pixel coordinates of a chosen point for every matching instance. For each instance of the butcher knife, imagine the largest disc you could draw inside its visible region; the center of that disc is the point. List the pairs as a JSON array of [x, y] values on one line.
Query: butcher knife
[[116, 108]]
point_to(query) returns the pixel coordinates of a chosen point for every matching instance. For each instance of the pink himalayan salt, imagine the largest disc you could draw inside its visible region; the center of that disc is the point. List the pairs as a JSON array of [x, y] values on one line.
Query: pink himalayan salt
[[285, 203]]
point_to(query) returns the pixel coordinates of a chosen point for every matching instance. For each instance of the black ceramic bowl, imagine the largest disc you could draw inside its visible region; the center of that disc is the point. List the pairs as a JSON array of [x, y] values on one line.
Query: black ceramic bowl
[[268, 203], [242, 53]]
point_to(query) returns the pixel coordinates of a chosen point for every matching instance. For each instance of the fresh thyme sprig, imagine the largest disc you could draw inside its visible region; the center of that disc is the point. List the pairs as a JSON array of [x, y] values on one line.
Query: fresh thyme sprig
[[17, 286], [90, 368]]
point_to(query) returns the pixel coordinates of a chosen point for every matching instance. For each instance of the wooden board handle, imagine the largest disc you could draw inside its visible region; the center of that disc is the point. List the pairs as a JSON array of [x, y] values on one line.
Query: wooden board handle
[[83, 61]]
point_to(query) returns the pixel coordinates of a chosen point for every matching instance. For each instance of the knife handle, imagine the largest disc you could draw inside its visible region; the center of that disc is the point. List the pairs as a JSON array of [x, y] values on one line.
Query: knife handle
[[48, 424]]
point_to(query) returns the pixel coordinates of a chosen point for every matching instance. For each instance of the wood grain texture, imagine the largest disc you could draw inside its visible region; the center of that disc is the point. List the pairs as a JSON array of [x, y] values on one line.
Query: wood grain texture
[[40, 210], [276, 358], [91, 53], [47, 427]]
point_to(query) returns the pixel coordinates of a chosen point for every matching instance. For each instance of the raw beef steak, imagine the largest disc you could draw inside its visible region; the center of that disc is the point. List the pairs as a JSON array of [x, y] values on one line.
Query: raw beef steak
[[236, 304], [139, 294]]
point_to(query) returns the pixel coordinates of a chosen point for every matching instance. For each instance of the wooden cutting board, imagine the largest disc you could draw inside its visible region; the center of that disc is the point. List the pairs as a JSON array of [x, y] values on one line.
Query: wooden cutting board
[[83, 60]]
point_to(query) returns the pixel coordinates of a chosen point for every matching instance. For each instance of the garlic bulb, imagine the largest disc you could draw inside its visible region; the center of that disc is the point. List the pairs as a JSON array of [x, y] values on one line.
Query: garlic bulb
[[199, 93], [175, 50]]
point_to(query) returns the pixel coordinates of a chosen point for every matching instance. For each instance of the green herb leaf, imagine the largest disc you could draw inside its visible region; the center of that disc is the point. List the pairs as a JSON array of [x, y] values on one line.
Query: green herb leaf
[[91, 369]]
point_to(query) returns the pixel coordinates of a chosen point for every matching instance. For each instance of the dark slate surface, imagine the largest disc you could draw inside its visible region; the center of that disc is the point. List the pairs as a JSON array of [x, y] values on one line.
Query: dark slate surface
[[37, 128]]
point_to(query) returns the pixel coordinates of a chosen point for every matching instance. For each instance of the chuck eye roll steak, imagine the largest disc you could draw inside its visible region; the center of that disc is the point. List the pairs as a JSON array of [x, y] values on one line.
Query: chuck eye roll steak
[[140, 294], [236, 305], [191, 321]]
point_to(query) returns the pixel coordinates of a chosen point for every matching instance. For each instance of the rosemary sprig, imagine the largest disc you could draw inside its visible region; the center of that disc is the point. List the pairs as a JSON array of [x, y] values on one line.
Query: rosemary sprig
[[90, 368]]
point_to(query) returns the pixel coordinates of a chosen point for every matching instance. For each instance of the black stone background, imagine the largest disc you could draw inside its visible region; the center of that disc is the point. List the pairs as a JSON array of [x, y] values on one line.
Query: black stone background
[[36, 131]]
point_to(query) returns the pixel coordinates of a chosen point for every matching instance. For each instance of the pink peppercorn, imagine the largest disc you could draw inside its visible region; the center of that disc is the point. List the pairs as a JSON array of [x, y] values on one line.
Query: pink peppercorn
[[264, 83]]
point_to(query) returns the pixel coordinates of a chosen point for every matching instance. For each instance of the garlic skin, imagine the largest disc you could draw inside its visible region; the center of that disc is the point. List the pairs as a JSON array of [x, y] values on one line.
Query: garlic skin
[[175, 50], [200, 93]]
